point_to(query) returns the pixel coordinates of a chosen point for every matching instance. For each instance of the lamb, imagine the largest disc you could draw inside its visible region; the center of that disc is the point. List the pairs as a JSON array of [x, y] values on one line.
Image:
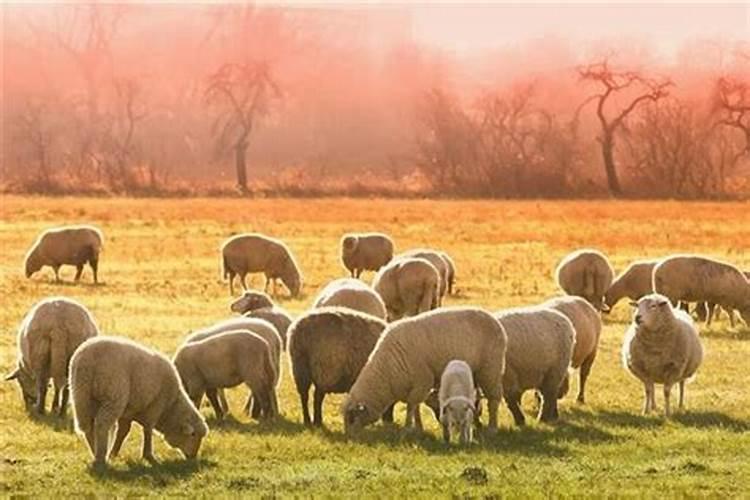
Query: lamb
[[450, 278], [47, 338], [259, 326], [365, 252], [436, 259], [586, 273], [693, 278], [256, 304], [66, 245], [116, 381], [227, 360], [256, 253], [457, 397], [588, 327], [634, 282], [540, 347], [412, 354], [661, 347], [354, 294], [408, 287], [328, 348]]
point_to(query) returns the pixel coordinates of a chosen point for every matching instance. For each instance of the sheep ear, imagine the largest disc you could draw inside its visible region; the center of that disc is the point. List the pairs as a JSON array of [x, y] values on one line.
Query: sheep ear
[[188, 429], [14, 375], [633, 303], [605, 308]]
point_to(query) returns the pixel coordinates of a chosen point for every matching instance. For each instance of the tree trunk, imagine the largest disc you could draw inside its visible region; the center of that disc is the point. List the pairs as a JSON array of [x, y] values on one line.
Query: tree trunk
[[240, 153], [613, 183]]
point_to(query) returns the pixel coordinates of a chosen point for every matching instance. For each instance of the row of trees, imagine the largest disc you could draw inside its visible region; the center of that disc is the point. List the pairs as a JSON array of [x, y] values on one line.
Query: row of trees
[[249, 90]]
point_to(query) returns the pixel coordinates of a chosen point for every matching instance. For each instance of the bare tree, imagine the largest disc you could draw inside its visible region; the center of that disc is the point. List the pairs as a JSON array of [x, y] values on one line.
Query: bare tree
[[732, 104], [638, 88], [34, 137], [243, 94]]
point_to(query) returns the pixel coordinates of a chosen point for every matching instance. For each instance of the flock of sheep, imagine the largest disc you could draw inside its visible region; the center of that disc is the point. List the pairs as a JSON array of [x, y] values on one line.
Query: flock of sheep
[[381, 344]]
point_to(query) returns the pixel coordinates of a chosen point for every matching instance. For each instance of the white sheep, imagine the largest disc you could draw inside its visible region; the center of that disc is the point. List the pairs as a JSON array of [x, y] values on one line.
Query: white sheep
[[257, 253], [586, 273], [457, 398], [436, 259], [694, 278], [365, 252], [257, 304], [47, 338], [351, 293], [228, 360], [450, 279], [410, 357], [588, 326], [67, 245], [408, 287], [116, 381], [540, 347], [661, 347]]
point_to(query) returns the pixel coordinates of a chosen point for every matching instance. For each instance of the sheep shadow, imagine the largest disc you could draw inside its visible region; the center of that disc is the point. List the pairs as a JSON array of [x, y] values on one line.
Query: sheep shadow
[[741, 333], [711, 420], [53, 421], [160, 474], [616, 418], [279, 425]]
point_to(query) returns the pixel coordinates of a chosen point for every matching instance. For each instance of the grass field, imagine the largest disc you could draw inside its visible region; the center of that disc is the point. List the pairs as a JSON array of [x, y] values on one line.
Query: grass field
[[160, 273]]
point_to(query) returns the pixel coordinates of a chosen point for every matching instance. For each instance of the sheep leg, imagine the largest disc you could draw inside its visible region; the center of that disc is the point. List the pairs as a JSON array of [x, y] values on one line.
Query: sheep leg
[[105, 419], [513, 400], [548, 412], [94, 264], [413, 418], [223, 400], [446, 433], [710, 316], [79, 271], [418, 417], [55, 400], [730, 312], [583, 375], [304, 398], [231, 283], [148, 446], [41, 392], [648, 403], [388, 414], [318, 396], [64, 400], [682, 394], [214, 400], [667, 390], [57, 273], [465, 432], [123, 428], [243, 282]]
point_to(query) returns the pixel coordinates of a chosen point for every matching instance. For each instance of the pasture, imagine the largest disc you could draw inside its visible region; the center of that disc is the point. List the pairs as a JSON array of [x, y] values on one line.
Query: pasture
[[160, 279]]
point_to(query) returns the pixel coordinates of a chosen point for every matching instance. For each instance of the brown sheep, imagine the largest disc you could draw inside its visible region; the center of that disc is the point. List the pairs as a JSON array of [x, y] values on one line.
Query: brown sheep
[[365, 252], [67, 245]]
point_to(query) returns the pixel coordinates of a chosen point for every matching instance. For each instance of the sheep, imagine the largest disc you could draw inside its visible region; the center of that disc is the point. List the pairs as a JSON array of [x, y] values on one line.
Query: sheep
[[661, 346], [116, 381], [259, 326], [634, 282], [408, 287], [410, 357], [47, 338], [586, 273], [693, 278], [354, 294], [328, 348], [588, 327], [256, 253], [703, 310], [457, 398], [540, 347], [66, 245], [365, 252], [436, 259], [450, 278], [256, 304], [227, 360]]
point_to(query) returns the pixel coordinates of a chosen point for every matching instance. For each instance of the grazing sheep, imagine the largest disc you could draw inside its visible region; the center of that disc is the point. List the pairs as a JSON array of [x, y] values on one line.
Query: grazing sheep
[[450, 278], [692, 278], [354, 294], [407, 287], [365, 252], [256, 253], [661, 347], [586, 273], [256, 304], [457, 398], [634, 282], [67, 245], [47, 338], [116, 381], [227, 360], [588, 326], [436, 259], [540, 347], [412, 354], [259, 326], [328, 348]]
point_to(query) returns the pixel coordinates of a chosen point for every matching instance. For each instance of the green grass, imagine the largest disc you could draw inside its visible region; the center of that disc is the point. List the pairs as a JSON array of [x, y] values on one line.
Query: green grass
[[161, 280]]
